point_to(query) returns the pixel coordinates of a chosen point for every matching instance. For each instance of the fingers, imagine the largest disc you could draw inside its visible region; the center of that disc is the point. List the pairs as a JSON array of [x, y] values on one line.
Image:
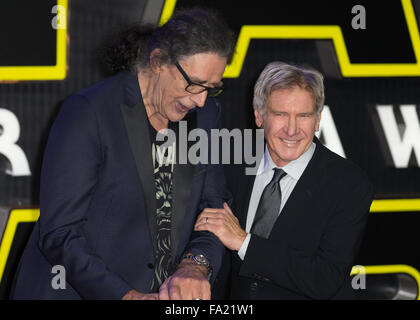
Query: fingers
[[212, 227], [227, 208], [206, 295], [207, 220], [169, 290], [175, 292], [223, 224], [152, 296], [163, 291], [216, 212], [213, 210], [135, 295], [211, 219], [210, 214], [185, 284], [216, 216]]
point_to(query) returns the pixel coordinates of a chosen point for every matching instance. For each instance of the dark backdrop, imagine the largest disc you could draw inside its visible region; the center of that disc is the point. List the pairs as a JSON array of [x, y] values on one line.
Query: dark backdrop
[[390, 237]]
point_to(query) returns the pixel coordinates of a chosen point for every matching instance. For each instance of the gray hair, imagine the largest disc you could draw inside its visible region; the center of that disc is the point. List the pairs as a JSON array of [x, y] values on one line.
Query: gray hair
[[279, 75]]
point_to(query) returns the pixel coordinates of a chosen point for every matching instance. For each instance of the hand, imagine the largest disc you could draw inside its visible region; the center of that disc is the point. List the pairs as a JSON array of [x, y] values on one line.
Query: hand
[[189, 282], [135, 295], [224, 225]]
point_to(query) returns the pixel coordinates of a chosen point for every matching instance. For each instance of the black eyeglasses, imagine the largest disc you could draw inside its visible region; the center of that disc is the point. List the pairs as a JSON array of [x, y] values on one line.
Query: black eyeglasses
[[196, 88]]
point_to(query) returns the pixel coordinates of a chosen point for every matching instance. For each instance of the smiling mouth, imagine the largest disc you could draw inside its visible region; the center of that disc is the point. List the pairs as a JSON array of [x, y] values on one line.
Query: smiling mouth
[[181, 108], [289, 142]]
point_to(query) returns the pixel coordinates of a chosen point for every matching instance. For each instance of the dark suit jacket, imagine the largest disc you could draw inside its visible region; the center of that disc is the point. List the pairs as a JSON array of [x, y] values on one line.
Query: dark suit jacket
[[98, 200], [310, 251]]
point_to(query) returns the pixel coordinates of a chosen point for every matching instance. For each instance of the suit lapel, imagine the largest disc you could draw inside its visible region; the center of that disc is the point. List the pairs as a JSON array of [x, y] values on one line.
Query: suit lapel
[[246, 186], [182, 181], [306, 188], [136, 124], [244, 192]]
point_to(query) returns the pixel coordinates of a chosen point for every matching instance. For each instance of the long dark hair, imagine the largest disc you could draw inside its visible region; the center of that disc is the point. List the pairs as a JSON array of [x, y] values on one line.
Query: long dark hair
[[188, 32]]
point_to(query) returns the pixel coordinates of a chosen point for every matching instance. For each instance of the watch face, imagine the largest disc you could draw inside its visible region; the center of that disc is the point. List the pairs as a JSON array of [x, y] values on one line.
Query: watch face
[[201, 259]]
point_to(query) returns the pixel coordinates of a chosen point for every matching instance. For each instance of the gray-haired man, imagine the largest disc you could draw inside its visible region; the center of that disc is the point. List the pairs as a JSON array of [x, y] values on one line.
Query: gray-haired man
[[297, 224]]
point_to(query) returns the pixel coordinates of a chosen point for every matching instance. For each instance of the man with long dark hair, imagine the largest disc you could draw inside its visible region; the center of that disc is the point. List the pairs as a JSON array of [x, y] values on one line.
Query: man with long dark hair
[[116, 218]]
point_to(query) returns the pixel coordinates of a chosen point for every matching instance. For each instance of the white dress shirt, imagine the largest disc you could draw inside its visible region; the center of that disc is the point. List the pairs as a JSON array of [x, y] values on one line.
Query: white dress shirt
[[294, 170]]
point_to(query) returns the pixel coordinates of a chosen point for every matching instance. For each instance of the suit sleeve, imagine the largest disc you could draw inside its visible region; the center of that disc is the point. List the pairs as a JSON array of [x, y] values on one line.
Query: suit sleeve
[[71, 168], [215, 192], [321, 275]]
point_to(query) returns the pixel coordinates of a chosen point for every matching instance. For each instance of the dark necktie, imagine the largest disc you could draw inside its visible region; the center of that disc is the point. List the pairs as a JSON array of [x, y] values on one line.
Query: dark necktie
[[269, 206]]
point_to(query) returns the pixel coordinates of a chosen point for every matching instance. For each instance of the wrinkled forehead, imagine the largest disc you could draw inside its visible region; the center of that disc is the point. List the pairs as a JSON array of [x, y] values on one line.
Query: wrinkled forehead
[[292, 92], [207, 67]]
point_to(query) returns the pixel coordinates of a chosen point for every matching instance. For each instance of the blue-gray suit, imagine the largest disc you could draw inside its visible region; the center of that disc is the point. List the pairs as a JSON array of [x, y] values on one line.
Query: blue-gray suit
[[98, 200]]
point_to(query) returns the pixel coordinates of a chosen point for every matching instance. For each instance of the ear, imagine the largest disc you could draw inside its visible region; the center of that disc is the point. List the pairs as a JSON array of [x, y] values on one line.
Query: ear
[[154, 60], [258, 118]]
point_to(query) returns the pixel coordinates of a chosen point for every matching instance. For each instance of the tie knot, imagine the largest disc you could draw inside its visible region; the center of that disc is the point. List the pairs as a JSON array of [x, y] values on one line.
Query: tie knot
[[278, 174]]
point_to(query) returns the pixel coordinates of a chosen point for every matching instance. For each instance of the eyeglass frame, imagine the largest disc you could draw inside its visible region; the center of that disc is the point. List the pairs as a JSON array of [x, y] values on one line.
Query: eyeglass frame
[[217, 90]]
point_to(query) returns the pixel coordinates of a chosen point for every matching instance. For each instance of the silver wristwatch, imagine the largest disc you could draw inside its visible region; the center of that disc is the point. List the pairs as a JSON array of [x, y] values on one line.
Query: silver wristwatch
[[200, 260]]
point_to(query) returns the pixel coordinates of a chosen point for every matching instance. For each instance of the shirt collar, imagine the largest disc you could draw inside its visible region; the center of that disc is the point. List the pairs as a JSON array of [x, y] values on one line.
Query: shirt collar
[[294, 168]]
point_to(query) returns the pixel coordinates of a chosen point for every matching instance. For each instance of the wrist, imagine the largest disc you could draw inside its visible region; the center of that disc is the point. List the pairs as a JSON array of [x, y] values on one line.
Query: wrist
[[240, 241], [188, 264], [200, 262]]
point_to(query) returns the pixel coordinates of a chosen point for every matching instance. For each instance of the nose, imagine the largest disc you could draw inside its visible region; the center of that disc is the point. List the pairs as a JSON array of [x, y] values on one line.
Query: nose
[[199, 99], [292, 126]]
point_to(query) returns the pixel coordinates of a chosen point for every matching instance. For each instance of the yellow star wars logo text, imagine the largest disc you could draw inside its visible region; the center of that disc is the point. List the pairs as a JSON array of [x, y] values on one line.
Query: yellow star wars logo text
[[333, 33], [53, 72]]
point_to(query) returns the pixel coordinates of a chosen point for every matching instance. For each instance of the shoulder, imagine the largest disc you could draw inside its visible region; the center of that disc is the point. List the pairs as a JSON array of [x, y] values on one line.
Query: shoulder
[[98, 95], [104, 91], [341, 171], [84, 108]]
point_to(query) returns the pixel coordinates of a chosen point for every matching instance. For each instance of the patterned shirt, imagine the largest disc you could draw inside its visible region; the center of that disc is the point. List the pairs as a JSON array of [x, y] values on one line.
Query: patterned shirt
[[163, 163]]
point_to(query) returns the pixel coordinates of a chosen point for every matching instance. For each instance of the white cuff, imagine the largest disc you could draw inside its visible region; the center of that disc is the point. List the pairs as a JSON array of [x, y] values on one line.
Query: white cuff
[[244, 247]]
